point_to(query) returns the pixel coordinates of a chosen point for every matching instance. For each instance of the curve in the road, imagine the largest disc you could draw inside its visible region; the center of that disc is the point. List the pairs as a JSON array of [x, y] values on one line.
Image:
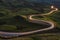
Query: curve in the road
[[12, 34]]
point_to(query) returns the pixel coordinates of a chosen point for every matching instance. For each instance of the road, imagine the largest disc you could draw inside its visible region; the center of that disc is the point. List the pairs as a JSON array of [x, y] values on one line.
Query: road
[[33, 20]]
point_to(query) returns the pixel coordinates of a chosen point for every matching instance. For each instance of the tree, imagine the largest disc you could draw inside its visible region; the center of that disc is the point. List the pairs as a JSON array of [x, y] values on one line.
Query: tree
[[20, 21]]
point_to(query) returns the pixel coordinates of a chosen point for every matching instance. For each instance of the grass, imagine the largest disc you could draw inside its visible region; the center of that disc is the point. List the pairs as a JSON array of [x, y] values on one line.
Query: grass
[[10, 25], [26, 11], [30, 26], [47, 36], [8, 18], [7, 27], [56, 17], [43, 18]]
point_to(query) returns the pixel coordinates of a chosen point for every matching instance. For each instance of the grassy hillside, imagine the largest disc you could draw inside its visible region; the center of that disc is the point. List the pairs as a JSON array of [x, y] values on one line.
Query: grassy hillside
[[9, 9], [47, 36], [56, 17]]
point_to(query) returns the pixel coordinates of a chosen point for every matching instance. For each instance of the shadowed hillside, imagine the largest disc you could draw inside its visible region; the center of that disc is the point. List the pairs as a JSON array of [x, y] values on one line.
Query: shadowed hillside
[[19, 4]]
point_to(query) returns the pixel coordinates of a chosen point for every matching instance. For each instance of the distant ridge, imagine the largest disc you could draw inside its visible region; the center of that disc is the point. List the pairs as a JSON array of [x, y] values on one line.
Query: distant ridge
[[52, 2], [24, 3]]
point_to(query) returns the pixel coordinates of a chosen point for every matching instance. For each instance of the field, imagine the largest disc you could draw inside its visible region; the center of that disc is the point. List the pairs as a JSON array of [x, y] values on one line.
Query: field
[[55, 17], [13, 22], [10, 20], [47, 36]]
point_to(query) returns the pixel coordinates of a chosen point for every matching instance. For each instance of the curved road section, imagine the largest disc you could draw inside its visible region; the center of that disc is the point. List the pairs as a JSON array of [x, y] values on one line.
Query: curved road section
[[31, 19]]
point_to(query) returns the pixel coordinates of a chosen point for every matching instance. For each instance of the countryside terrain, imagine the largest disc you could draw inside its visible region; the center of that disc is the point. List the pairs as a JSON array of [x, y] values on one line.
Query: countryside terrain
[[12, 21]]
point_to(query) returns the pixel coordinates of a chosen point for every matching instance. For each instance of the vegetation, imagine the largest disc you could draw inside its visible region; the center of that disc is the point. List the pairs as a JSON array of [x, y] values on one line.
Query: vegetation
[[8, 16], [56, 17], [47, 36], [19, 24], [27, 11], [10, 19]]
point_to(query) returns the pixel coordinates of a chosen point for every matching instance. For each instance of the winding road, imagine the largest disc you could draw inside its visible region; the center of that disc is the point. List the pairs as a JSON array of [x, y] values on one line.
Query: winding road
[[33, 20]]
